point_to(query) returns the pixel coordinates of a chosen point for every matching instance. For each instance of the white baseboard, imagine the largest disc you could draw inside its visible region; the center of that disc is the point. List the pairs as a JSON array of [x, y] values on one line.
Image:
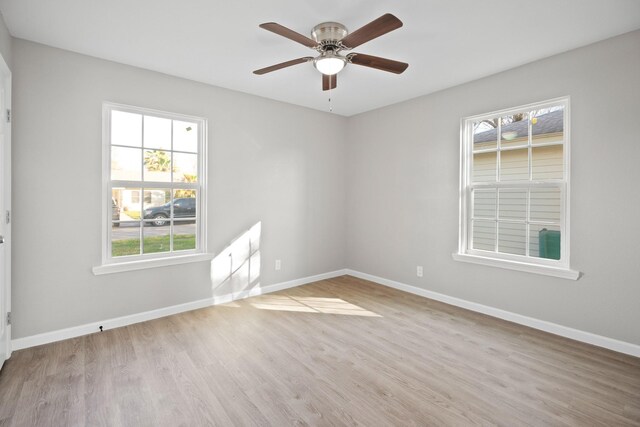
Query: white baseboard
[[564, 331], [578, 335], [89, 328]]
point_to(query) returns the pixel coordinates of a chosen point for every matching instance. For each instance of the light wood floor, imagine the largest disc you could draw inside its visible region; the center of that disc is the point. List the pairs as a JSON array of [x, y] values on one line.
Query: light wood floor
[[336, 352]]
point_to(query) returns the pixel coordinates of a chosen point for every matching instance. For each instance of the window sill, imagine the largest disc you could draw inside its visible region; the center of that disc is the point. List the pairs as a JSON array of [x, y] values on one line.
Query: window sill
[[149, 263], [519, 266]]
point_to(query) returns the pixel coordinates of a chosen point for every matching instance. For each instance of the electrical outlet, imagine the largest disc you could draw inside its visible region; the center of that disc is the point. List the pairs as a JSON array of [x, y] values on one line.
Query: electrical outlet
[[419, 271], [278, 264]]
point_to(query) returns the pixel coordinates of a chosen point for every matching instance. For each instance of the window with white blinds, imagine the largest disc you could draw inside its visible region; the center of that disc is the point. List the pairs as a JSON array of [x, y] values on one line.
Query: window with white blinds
[[515, 185]]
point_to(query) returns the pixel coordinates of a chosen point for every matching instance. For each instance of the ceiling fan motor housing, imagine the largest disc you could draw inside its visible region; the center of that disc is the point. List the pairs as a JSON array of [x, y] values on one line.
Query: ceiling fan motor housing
[[329, 33]]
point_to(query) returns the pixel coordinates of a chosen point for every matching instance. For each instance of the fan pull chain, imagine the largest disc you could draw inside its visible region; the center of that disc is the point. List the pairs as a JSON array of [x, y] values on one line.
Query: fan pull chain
[[330, 106]]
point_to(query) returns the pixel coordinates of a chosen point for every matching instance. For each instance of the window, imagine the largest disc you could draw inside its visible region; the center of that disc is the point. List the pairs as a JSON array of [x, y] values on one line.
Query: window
[[515, 189], [154, 175]]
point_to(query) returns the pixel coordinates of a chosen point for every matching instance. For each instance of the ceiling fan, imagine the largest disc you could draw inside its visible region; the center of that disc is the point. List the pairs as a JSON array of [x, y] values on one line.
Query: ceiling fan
[[331, 38]]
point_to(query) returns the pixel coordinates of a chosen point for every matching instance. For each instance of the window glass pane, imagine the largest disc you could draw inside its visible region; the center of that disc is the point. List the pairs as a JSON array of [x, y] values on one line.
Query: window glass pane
[[484, 235], [513, 204], [185, 167], [512, 238], [514, 165], [135, 197], [127, 203], [157, 133], [547, 125], [115, 206], [514, 130], [157, 206], [126, 163], [544, 241], [184, 235], [156, 238], [545, 204], [484, 167], [185, 136], [125, 238], [157, 165], [484, 203], [184, 204], [126, 129], [485, 134], [547, 162]]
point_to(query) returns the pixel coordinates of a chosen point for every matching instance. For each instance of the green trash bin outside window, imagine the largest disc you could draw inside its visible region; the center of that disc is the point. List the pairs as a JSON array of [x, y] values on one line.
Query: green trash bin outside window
[[549, 243]]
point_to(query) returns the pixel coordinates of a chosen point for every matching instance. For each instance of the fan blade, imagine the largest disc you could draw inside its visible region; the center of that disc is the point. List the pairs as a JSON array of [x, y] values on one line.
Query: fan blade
[[290, 34], [373, 29], [329, 82], [283, 65], [378, 63]]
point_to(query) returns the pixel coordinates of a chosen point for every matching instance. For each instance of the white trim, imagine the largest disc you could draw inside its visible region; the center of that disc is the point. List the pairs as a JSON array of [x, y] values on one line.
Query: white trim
[[76, 331], [141, 264], [543, 325], [514, 110], [5, 193], [564, 273]]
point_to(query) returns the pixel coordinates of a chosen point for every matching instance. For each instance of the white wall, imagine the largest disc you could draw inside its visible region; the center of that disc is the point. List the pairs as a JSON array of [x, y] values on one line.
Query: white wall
[[266, 164], [403, 184]]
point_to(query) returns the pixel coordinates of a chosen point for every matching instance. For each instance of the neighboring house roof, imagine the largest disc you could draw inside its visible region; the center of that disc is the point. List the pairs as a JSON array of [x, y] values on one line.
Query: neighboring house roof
[[547, 123]]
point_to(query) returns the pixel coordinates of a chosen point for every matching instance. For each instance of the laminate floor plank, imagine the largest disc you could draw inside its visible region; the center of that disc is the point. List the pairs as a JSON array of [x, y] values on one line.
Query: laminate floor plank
[[382, 347], [11, 386], [339, 352]]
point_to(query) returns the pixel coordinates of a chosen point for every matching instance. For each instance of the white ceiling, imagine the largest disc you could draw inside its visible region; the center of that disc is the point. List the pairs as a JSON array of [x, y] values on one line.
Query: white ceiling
[[446, 42]]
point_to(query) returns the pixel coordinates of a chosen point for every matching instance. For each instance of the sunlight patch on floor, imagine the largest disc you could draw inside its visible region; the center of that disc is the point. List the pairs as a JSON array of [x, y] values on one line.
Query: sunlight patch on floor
[[310, 305], [230, 304]]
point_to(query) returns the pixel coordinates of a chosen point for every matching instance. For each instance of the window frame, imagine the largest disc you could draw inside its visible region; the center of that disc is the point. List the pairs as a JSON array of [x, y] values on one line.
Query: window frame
[[112, 264], [466, 252]]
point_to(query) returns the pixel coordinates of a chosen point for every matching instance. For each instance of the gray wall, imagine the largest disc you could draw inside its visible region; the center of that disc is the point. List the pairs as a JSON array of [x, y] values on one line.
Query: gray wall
[[5, 43], [398, 173], [265, 165], [403, 184]]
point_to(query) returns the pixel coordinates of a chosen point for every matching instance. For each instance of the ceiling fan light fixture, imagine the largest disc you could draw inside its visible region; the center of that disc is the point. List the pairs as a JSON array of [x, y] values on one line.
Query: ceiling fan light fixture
[[329, 63]]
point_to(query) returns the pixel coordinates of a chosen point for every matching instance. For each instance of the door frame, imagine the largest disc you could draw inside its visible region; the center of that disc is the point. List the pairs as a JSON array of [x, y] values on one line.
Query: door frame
[[5, 193]]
